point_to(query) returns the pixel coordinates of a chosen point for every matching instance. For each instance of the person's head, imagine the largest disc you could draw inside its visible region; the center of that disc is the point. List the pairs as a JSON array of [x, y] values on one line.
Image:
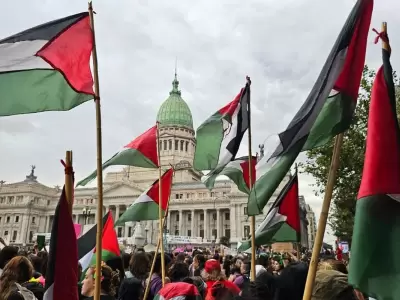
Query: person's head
[[212, 270], [139, 265], [277, 264], [263, 261], [157, 264], [198, 261], [36, 263], [109, 281], [18, 270], [263, 288], [180, 257], [126, 257], [6, 254], [178, 271], [245, 267]]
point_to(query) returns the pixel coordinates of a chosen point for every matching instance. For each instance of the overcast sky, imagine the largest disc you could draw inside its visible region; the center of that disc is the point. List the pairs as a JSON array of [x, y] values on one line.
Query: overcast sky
[[281, 45]]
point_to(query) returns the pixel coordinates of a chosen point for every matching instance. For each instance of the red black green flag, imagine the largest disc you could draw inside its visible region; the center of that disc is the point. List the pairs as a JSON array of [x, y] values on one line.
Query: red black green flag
[[375, 264]]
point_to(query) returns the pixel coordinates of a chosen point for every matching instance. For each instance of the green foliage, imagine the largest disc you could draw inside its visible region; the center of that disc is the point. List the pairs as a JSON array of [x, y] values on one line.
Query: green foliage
[[341, 217]]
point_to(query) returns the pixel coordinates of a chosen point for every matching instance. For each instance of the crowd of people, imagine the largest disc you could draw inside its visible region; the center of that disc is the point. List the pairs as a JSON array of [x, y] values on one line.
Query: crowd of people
[[199, 275]]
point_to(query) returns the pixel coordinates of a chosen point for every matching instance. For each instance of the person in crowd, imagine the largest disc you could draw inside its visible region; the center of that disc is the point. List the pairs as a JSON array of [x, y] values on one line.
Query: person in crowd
[[14, 281], [198, 264], [178, 271], [126, 259], [156, 281], [6, 254], [277, 265], [212, 274], [109, 282], [132, 288]]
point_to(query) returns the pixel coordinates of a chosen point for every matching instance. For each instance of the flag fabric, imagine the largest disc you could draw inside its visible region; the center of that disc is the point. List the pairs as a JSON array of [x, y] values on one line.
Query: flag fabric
[[62, 267], [47, 67], [377, 224], [146, 206], [178, 291], [141, 152], [237, 170], [219, 137], [327, 111], [87, 243], [282, 223]]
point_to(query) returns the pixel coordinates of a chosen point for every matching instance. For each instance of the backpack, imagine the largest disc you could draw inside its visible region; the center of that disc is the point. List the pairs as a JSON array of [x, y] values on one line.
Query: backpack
[[26, 294]]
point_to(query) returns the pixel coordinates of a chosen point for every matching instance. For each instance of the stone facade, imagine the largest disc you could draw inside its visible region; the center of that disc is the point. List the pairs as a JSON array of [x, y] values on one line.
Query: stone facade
[[28, 207], [312, 226]]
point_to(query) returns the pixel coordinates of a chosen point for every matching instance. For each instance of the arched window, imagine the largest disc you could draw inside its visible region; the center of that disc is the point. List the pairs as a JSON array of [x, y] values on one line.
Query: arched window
[[170, 144], [176, 144], [182, 142], [160, 146], [187, 147], [165, 145]]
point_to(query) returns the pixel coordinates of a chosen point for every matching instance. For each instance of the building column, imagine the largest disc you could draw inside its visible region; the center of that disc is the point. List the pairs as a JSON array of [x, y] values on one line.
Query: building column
[[192, 228], [126, 230], [180, 226], [169, 222], [232, 217], [218, 225], [76, 220], [46, 228], [116, 213], [206, 225]]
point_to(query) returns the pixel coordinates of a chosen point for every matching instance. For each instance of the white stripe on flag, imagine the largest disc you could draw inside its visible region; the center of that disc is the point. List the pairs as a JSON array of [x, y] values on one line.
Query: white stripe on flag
[[48, 295], [224, 155], [85, 261], [143, 198], [21, 56]]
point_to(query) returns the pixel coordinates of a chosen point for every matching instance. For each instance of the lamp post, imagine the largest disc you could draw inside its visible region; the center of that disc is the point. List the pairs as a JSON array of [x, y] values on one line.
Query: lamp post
[[146, 230], [87, 212]]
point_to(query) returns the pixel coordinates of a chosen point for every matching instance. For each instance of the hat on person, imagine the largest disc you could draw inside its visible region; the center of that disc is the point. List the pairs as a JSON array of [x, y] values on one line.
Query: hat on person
[[212, 265]]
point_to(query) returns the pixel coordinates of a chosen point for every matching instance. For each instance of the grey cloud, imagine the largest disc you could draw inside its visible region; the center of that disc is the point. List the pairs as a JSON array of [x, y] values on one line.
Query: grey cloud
[[282, 45]]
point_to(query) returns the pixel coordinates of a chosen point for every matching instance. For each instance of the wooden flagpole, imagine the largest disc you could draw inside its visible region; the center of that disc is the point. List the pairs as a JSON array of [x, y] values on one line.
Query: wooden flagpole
[[99, 212], [160, 211], [252, 218], [298, 233], [147, 290], [323, 217], [68, 182]]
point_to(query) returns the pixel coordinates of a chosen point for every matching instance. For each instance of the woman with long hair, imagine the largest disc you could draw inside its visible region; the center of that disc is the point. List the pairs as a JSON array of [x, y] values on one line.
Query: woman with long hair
[[14, 279], [108, 283]]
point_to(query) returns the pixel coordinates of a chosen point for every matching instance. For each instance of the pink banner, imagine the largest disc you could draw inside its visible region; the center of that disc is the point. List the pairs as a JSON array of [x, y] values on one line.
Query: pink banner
[[78, 230]]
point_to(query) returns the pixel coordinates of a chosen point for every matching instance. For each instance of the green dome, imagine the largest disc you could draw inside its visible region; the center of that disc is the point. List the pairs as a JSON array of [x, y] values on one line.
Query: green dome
[[174, 111]]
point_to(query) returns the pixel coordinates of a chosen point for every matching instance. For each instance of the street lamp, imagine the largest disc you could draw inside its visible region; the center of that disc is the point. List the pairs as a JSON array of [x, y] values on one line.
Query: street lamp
[[146, 230], [87, 212]]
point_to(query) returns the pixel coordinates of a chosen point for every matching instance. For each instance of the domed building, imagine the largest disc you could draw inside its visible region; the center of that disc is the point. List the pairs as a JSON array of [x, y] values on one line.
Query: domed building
[[196, 216]]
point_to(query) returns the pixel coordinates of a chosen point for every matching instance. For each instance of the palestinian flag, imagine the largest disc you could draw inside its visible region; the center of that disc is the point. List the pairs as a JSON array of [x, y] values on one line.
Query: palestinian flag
[[375, 265], [237, 170], [141, 152], [146, 206], [63, 255], [47, 67], [327, 111], [178, 291], [219, 137], [282, 223], [87, 243]]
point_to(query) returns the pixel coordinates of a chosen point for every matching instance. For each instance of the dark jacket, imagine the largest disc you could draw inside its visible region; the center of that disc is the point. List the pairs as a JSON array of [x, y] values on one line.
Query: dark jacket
[[130, 289]]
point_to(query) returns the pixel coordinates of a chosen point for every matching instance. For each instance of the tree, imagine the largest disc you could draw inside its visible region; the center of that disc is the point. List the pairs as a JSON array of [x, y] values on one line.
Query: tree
[[341, 217], [224, 240]]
